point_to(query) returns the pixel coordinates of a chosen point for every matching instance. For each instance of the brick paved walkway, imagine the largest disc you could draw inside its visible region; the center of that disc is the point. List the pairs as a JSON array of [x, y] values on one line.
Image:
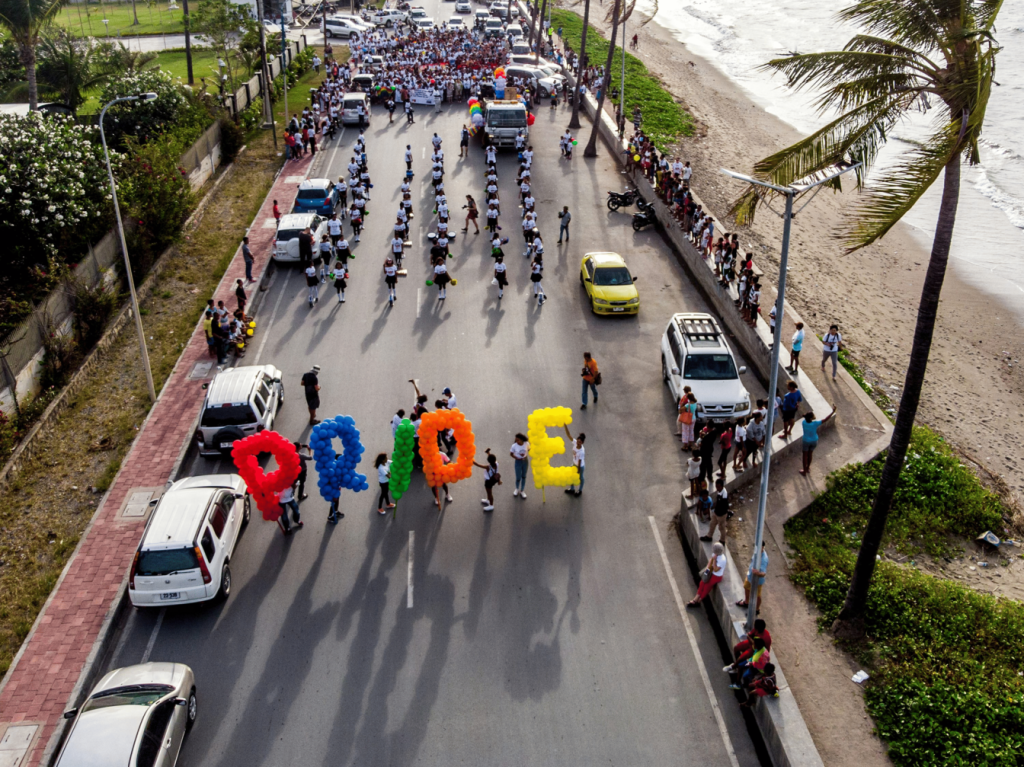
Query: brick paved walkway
[[39, 684]]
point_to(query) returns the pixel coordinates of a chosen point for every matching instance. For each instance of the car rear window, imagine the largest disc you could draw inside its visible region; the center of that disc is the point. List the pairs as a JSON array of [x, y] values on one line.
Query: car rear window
[[709, 367], [284, 235], [312, 194], [228, 415], [166, 561]]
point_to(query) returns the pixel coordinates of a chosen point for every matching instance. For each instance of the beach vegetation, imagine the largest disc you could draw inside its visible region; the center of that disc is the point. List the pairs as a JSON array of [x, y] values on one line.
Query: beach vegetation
[[910, 54], [944, 660]]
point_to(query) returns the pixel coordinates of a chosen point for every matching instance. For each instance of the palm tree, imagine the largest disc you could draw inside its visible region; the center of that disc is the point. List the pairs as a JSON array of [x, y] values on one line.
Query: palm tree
[[911, 51], [68, 67], [540, 31], [591, 149], [574, 122], [25, 20]]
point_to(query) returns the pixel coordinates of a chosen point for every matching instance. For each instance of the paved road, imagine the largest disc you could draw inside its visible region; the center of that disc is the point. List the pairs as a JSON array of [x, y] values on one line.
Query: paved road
[[541, 634]]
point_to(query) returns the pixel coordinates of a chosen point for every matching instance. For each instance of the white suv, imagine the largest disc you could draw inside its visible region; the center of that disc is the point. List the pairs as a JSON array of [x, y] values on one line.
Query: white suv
[[286, 241], [188, 542], [694, 353], [239, 402]]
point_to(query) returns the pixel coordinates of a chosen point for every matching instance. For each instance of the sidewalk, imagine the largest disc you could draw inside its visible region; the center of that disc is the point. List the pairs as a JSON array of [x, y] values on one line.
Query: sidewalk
[[53, 667]]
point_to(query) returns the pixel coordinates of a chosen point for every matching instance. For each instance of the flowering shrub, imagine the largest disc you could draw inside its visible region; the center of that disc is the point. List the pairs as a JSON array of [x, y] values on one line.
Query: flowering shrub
[[54, 192], [145, 120]]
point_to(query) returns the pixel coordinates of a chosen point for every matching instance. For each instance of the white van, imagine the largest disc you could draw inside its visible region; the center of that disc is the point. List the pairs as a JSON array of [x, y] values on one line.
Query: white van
[[184, 553], [350, 108]]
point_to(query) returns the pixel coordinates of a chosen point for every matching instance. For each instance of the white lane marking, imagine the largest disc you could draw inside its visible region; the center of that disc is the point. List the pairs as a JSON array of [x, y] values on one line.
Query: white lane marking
[[152, 637], [334, 152], [423, 153], [693, 646], [273, 316], [408, 597], [419, 302]]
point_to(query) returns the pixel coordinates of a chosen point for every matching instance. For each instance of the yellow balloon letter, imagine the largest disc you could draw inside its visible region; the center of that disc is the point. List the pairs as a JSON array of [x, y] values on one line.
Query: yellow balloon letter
[[543, 447]]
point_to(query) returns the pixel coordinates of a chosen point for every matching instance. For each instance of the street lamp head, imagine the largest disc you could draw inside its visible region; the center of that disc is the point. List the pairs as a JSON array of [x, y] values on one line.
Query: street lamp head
[[146, 97]]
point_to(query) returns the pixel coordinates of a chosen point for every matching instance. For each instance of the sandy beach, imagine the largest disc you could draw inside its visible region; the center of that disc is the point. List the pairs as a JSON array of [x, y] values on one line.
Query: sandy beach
[[974, 391]]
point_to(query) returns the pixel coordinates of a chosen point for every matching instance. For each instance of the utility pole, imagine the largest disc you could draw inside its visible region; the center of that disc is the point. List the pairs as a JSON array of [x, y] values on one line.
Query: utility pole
[[188, 43], [284, 63], [268, 115]]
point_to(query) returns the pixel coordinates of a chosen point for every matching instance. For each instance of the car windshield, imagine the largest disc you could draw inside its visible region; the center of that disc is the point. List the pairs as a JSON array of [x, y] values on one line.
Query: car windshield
[[506, 118], [312, 194], [228, 415], [166, 561], [709, 367], [613, 275], [135, 695], [284, 235]]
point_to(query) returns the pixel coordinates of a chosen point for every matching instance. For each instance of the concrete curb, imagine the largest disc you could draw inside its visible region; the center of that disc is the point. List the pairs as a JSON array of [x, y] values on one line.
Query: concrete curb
[[782, 727]]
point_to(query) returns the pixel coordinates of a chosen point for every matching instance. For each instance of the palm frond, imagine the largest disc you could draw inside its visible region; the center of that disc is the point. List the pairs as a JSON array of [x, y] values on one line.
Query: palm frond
[[872, 44], [830, 68], [854, 93], [889, 198], [914, 23]]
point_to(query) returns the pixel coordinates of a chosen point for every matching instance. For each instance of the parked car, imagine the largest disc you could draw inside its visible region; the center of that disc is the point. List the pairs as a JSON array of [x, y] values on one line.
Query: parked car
[[526, 60], [515, 31], [494, 27], [138, 715], [186, 548], [239, 402], [350, 107], [499, 9], [316, 195], [343, 28], [388, 18], [694, 353], [463, 6], [522, 49], [540, 82], [609, 285], [286, 242], [361, 82]]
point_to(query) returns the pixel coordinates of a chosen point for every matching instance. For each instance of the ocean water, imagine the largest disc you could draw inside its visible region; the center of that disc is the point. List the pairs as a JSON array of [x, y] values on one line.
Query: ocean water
[[988, 248]]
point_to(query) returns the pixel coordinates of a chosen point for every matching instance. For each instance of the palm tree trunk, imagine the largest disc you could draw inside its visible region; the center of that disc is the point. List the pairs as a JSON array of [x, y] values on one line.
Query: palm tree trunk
[[540, 32], [591, 150], [850, 623], [574, 122], [28, 60]]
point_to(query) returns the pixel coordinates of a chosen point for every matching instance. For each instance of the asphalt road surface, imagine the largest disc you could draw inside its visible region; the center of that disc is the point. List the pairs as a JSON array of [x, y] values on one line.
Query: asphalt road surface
[[539, 634]]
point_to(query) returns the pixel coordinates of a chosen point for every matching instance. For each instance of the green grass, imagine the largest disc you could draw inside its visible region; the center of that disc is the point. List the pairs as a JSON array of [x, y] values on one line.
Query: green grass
[[943, 658], [204, 64], [664, 120], [86, 19]]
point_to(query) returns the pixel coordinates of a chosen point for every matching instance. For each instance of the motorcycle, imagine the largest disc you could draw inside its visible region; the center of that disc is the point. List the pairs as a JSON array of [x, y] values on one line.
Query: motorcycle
[[645, 217], [618, 200]]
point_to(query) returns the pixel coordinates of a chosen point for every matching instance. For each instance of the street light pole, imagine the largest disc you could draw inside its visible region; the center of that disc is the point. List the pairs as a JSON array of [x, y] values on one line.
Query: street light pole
[[284, 64], [790, 193], [124, 245], [268, 115]]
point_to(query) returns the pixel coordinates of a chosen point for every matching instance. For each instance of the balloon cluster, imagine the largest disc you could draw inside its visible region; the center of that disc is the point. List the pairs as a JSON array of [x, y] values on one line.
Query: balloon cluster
[[543, 447], [337, 471], [531, 118], [401, 458], [476, 116], [438, 473], [499, 72], [266, 488]]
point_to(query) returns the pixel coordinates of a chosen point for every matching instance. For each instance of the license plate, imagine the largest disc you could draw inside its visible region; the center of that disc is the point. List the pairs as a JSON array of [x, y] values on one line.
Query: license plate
[[171, 595], [226, 445], [618, 308]]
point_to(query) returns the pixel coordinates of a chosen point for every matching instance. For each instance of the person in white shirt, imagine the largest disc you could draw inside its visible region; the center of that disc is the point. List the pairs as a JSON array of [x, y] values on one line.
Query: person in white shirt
[[579, 460], [396, 421], [687, 172], [832, 342], [536, 275], [715, 570], [520, 451], [391, 279], [383, 466], [313, 283], [739, 440], [492, 477]]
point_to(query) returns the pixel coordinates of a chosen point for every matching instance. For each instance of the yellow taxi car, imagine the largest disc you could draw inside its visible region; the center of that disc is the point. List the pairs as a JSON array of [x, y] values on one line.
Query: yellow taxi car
[[609, 284]]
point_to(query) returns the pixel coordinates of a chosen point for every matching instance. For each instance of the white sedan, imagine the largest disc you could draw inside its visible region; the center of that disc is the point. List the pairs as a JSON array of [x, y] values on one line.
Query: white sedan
[[463, 6], [455, 22]]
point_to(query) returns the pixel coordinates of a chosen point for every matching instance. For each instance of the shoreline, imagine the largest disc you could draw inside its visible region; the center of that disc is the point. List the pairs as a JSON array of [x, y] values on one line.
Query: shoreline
[[871, 294]]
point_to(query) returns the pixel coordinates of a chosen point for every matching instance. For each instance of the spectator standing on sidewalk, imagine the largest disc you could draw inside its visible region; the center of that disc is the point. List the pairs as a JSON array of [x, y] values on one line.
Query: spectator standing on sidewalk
[[710, 576], [563, 228], [247, 257], [520, 451], [833, 343], [798, 345], [719, 514], [756, 434], [810, 438], [311, 383], [790, 403], [755, 578], [591, 378]]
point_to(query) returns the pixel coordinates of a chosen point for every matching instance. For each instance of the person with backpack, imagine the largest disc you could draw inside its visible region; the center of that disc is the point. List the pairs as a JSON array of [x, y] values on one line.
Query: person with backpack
[[832, 342], [591, 378]]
